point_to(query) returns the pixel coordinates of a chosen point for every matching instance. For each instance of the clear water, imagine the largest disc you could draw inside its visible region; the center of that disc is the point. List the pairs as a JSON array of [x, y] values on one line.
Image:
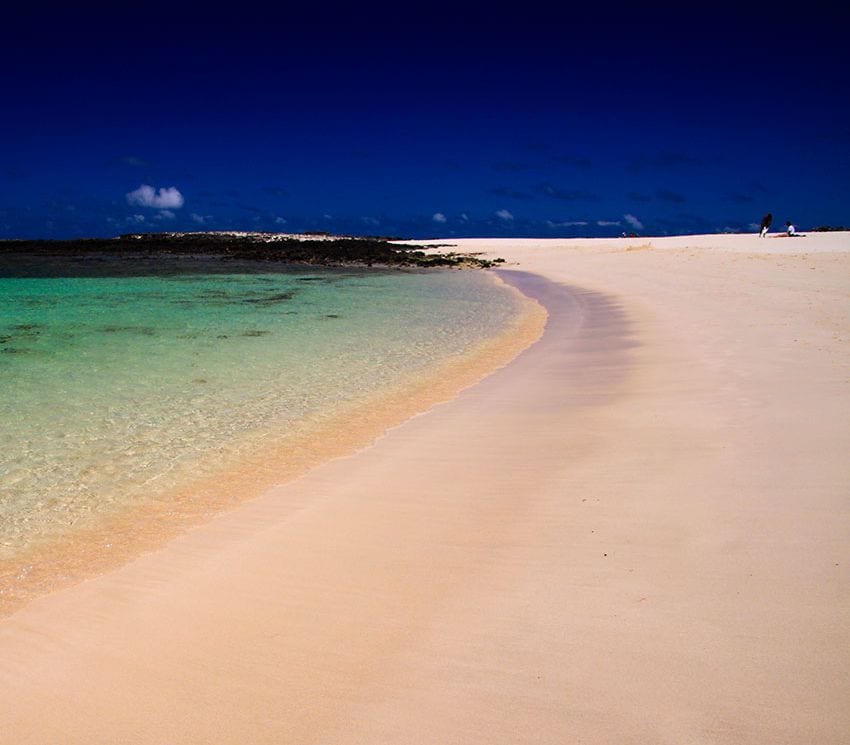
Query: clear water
[[113, 388]]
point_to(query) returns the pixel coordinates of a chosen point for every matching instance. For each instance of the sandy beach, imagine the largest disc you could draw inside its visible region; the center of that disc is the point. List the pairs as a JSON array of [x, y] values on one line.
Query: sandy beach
[[634, 532]]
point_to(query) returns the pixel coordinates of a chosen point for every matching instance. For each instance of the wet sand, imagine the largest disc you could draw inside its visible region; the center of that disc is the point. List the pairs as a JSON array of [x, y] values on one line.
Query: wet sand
[[634, 532]]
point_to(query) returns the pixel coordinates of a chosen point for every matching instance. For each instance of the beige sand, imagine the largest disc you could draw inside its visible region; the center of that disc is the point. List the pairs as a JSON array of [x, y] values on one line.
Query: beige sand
[[636, 532]]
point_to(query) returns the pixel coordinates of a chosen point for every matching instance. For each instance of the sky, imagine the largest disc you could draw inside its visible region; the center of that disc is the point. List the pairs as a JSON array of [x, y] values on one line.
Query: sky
[[424, 121]]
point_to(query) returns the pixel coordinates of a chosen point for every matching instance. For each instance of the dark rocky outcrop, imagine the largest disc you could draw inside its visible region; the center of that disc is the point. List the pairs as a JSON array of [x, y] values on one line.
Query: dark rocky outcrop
[[264, 247]]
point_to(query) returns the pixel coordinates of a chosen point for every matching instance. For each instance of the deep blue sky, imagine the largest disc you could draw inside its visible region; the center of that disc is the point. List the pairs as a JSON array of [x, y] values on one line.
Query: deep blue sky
[[426, 120]]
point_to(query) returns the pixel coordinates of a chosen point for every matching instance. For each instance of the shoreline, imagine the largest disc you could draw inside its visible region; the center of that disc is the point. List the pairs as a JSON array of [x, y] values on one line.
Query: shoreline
[[635, 531], [116, 539]]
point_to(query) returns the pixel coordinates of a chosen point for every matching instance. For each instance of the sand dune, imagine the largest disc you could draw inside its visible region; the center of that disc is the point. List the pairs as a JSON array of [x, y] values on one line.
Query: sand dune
[[635, 532]]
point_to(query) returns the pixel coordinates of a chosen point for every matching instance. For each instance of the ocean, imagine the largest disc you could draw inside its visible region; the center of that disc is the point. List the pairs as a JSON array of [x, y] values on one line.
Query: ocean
[[162, 390]]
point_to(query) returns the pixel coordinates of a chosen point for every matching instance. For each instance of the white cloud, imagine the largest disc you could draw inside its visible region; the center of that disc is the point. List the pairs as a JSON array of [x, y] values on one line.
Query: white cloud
[[165, 215], [136, 218], [280, 220], [633, 221], [566, 223], [200, 219], [163, 198], [607, 223], [504, 215], [438, 217], [370, 221], [464, 217]]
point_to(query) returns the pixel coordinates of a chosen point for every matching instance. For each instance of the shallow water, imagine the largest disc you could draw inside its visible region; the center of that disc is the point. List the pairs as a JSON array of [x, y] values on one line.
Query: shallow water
[[113, 389]]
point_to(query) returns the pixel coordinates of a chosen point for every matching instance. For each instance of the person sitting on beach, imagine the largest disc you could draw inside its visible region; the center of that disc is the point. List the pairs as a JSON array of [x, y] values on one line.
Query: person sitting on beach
[[765, 224], [792, 231]]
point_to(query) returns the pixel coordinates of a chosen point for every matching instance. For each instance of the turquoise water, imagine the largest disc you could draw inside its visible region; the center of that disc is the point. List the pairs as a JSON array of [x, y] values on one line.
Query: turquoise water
[[114, 387]]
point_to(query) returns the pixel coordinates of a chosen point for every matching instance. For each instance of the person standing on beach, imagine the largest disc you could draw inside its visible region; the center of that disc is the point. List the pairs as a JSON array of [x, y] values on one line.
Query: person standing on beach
[[765, 224]]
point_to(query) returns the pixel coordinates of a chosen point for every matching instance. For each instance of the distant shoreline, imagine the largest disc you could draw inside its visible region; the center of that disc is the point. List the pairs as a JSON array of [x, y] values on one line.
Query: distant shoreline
[[318, 249]]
